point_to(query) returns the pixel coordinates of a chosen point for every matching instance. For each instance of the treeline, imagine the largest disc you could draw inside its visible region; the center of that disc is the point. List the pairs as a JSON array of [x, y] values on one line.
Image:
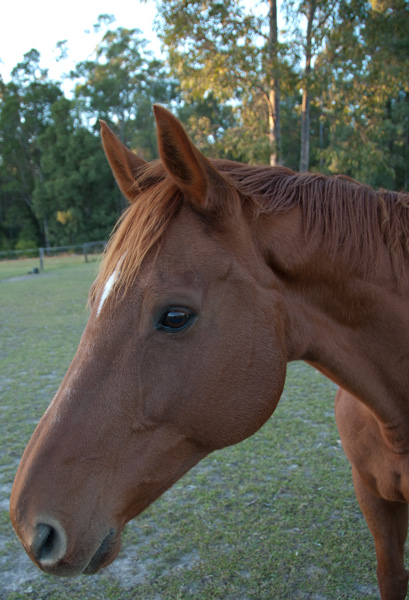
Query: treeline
[[328, 92]]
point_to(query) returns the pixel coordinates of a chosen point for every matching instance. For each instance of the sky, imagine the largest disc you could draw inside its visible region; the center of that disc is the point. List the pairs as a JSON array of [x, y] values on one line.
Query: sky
[[40, 24]]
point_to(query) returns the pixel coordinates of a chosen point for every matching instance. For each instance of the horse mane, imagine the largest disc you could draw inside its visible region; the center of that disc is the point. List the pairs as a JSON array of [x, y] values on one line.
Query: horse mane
[[140, 227], [353, 218]]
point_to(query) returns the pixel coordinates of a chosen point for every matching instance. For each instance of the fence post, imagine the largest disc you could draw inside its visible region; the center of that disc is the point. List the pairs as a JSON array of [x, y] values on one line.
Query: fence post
[[41, 254], [85, 252]]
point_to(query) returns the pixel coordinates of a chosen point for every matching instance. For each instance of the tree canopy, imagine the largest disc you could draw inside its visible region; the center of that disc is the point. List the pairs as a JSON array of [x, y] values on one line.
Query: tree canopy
[[324, 87]]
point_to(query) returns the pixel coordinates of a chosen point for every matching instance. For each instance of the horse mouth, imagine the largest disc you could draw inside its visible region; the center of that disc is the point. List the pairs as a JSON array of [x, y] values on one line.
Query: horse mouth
[[105, 554]]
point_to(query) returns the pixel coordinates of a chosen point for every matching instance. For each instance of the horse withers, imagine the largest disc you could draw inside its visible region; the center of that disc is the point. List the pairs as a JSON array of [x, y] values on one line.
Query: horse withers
[[217, 275]]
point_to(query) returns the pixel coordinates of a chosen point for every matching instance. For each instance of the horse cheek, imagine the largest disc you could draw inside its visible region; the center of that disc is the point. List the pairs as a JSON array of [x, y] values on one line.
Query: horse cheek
[[259, 381], [238, 381], [255, 367]]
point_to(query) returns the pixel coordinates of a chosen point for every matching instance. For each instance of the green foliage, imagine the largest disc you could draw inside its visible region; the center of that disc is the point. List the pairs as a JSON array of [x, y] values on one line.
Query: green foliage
[[211, 46], [366, 100], [120, 84], [25, 112], [25, 244], [75, 195], [357, 81], [221, 52], [55, 185]]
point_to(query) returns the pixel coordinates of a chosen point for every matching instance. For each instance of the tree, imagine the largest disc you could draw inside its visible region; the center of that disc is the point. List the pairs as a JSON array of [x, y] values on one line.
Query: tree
[[273, 102], [219, 51], [25, 111], [120, 85], [55, 186], [386, 37], [76, 194], [310, 24], [365, 100]]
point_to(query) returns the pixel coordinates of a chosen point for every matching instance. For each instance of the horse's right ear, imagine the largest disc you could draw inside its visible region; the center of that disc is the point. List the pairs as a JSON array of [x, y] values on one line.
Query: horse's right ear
[[124, 163], [206, 188]]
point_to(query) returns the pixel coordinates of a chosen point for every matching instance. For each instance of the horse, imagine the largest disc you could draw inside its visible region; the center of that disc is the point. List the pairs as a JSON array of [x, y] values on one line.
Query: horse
[[217, 275]]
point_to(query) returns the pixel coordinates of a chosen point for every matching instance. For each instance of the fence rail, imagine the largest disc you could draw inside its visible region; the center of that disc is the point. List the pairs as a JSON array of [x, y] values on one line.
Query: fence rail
[[85, 249]]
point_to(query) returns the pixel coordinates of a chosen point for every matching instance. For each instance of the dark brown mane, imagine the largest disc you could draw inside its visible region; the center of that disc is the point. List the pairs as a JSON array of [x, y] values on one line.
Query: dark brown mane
[[352, 217]]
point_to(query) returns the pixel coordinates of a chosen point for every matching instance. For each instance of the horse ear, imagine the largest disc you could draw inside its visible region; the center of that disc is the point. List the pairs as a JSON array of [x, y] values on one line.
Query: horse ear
[[124, 163], [188, 167]]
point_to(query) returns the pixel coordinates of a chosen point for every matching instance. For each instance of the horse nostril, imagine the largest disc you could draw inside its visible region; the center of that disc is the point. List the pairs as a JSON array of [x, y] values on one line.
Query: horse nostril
[[49, 543], [43, 541]]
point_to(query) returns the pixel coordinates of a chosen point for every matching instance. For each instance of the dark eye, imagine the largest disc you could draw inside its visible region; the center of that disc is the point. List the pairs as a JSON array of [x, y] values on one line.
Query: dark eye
[[175, 319]]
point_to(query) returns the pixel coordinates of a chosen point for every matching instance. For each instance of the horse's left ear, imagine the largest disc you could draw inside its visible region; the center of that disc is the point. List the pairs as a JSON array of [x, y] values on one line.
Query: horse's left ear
[[124, 163], [188, 167]]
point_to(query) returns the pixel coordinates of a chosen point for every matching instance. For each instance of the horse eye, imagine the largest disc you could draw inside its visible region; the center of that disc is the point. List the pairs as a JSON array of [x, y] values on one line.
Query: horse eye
[[175, 319]]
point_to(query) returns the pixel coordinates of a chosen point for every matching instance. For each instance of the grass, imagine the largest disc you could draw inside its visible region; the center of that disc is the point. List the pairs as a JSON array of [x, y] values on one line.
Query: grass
[[24, 266], [273, 518]]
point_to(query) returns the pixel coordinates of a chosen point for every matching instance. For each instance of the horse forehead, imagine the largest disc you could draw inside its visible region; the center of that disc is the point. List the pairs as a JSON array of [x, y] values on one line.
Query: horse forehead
[[190, 270], [190, 250]]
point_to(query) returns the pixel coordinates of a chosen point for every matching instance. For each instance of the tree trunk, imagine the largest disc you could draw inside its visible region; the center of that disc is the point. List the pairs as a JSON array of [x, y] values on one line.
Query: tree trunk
[[305, 107], [46, 236], [274, 91], [406, 146], [305, 130], [321, 135]]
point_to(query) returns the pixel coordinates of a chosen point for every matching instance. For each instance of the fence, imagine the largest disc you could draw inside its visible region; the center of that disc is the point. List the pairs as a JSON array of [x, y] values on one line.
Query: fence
[[42, 253]]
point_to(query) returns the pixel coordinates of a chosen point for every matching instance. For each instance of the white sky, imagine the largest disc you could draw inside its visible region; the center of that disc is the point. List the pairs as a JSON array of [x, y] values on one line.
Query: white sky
[[40, 24]]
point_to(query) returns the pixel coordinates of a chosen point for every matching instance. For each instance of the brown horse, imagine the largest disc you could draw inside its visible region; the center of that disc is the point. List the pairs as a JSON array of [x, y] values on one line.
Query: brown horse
[[218, 275]]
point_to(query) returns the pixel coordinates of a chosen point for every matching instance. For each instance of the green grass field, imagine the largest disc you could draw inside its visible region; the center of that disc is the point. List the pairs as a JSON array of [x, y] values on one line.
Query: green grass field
[[274, 518]]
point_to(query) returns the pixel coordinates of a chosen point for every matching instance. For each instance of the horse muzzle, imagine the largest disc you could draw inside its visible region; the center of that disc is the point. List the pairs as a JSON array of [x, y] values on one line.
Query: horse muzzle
[[49, 547]]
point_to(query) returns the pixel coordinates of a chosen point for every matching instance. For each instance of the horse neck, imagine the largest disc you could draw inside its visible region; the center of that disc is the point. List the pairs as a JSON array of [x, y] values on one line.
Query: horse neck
[[351, 324]]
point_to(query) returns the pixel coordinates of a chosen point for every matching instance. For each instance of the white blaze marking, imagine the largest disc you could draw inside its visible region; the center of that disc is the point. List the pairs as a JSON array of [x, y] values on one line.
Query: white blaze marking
[[107, 290]]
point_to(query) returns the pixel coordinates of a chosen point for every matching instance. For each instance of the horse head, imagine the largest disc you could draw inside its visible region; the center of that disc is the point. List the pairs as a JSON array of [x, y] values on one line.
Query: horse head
[[184, 353]]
